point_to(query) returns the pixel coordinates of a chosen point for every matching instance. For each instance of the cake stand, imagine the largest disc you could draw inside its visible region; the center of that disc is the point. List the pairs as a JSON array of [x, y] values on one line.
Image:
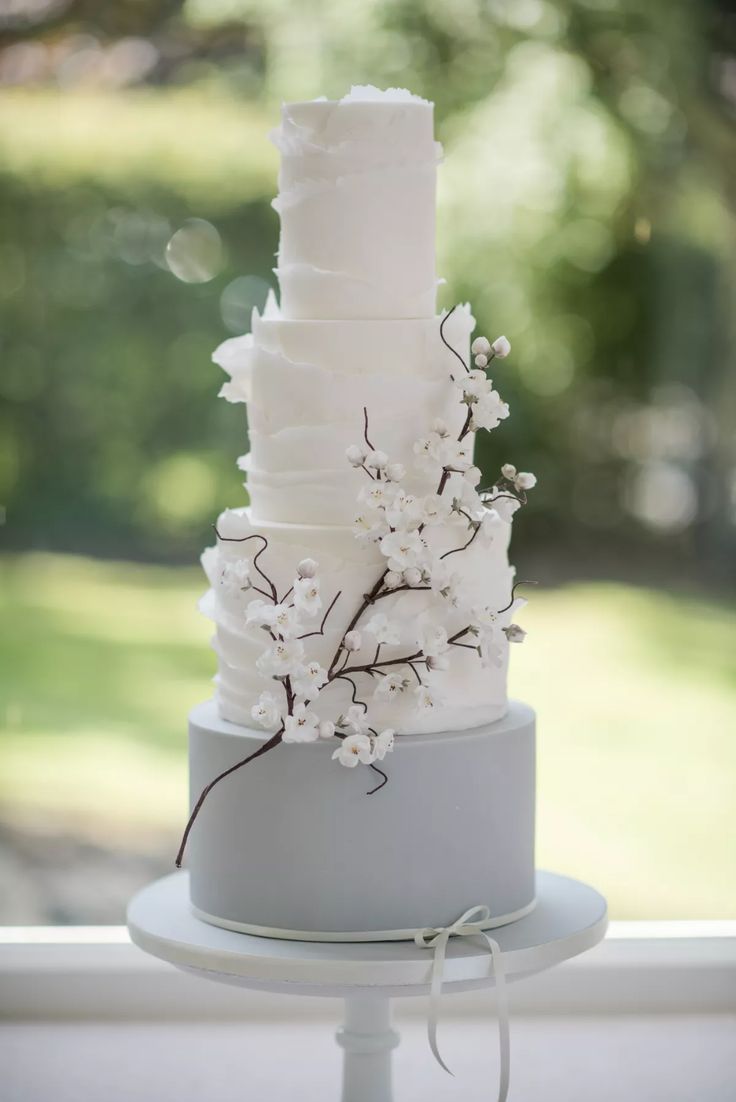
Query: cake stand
[[569, 918]]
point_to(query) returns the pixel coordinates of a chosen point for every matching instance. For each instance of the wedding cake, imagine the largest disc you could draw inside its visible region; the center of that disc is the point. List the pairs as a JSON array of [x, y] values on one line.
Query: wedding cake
[[361, 773]]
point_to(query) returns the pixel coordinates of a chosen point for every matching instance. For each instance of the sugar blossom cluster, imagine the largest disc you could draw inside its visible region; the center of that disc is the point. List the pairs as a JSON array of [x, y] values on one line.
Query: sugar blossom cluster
[[403, 652]]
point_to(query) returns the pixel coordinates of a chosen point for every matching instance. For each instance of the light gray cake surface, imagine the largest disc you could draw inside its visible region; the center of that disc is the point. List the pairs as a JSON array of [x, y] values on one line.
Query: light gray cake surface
[[291, 844]]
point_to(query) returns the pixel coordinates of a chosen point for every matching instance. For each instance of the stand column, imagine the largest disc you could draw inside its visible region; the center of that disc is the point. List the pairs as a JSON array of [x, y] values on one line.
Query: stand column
[[367, 1040]]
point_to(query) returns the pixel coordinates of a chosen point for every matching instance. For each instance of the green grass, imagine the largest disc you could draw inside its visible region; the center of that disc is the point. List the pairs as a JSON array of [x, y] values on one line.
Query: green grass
[[635, 690]]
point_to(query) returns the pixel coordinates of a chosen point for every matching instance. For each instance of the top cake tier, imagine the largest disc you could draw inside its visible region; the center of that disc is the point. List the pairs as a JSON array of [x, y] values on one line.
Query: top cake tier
[[357, 207]]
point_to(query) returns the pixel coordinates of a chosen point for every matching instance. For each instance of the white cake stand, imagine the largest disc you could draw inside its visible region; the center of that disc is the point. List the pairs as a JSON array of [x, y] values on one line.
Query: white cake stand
[[569, 918]]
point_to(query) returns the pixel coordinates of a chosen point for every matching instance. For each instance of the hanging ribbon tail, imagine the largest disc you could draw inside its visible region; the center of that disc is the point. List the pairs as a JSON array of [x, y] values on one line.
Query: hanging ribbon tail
[[502, 1009], [435, 996], [466, 926]]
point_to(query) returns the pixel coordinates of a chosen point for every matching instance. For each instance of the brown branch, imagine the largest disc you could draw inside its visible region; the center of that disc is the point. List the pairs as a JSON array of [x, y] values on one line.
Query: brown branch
[[256, 557], [455, 550], [454, 351], [383, 782], [406, 660], [365, 429], [268, 745], [321, 629], [354, 693], [514, 587], [368, 600], [401, 589]]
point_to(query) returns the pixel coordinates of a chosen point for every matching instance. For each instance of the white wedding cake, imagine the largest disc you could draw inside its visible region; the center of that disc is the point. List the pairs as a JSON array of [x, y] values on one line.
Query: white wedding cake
[[362, 603]]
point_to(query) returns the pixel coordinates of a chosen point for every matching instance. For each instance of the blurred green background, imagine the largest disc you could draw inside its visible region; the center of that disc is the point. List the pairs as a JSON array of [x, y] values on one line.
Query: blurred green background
[[587, 209]]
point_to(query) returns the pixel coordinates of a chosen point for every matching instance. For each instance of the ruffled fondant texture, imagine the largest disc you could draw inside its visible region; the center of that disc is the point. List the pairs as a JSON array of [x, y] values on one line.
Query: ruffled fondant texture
[[357, 207], [356, 330]]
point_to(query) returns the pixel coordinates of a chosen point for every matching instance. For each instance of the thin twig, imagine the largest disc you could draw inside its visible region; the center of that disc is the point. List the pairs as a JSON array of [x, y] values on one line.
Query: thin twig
[[321, 629], [514, 587], [383, 782], [365, 429], [256, 557], [467, 544], [354, 693], [269, 745], [454, 351]]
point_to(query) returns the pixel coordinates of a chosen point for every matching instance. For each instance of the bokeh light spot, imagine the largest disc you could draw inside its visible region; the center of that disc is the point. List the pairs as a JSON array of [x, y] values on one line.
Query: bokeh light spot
[[194, 253]]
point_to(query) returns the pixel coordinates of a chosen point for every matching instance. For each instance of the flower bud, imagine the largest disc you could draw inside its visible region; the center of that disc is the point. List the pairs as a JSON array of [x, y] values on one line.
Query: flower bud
[[352, 640], [376, 459], [439, 427], [395, 472], [392, 579], [355, 455], [508, 471], [412, 575], [307, 568], [473, 475], [481, 360], [481, 346], [501, 347], [525, 480], [326, 729], [514, 633]]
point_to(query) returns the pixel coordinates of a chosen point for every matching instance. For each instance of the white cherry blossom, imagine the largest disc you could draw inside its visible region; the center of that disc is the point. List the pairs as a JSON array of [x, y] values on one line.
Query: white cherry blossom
[[352, 640], [481, 346], [392, 579], [413, 576], [439, 662], [306, 596], [383, 744], [281, 618], [377, 495], [383, 629], [489, 411], [307, 568], [353, 750], [282, 658], [525, 480], [369, 526], [391, 686], [356, 718], [267, 711], [424, 698], [490, 525], [432, 638], [308, 679], [301, 726], [403, 549], [501, 347], [404, 511], [235, 577], [326, 729], [509, 471], [435, 509]]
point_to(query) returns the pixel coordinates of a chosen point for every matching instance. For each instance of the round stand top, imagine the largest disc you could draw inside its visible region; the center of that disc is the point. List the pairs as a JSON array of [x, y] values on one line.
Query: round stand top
[[569, 917]]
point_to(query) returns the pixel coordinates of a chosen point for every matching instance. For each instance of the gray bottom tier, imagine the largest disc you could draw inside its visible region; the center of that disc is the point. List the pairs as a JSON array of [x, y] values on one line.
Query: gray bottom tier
[[292, 843]]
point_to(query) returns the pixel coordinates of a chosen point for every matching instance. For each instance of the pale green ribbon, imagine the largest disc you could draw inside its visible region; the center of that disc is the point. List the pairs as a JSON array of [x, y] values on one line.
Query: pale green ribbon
[[468, 925]]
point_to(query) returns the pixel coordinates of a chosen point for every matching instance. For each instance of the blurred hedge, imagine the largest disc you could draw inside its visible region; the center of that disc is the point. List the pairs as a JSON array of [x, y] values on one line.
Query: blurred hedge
[[585, 210]]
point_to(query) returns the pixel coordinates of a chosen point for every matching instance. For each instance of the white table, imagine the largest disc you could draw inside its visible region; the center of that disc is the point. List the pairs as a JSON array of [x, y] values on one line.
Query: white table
[[569, 918]]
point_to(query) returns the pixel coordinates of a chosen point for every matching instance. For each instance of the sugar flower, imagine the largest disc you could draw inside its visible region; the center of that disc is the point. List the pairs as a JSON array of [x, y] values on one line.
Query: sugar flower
[[266, 711], [281, 659], [307, 568], [403, 549], [309, 679], [391, 686], [306, 596], [481, 346], [501, 347], [353, 750], [383, 744], [383, 629], [302, 726], [356, 718]]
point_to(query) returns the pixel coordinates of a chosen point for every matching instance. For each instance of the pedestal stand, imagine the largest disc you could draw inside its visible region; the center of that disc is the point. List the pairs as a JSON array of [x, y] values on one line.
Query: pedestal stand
[[569, 918]]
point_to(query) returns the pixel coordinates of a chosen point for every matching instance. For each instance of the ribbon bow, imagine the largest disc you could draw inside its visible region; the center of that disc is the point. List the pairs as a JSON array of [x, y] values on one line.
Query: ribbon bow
[[468, 925]]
